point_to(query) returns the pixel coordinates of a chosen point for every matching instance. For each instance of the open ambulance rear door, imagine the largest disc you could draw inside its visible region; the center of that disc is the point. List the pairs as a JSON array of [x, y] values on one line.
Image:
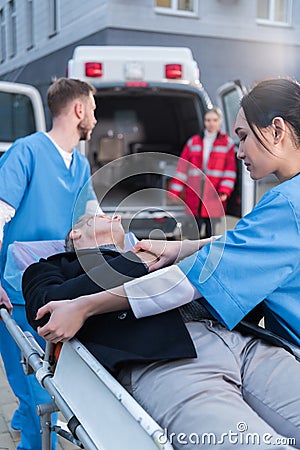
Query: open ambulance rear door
[[247, 191]]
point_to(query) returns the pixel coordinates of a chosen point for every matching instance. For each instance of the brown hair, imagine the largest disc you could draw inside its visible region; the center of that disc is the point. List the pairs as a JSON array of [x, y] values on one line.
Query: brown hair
[[64, 90]]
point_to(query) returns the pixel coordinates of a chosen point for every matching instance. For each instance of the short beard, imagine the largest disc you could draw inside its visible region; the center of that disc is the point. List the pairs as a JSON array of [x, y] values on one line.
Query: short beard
[[83, 132]]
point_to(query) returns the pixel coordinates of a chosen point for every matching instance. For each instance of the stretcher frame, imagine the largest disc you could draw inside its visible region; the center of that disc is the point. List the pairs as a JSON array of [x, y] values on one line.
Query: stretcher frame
[[119, 422]]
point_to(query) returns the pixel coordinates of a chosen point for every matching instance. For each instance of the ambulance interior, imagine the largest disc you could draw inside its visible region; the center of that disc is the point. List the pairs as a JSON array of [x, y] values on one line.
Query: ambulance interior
[[135, 121]]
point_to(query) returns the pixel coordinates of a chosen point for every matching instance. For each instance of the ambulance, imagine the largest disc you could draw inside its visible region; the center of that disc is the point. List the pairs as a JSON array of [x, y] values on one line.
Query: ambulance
[[149, 101]]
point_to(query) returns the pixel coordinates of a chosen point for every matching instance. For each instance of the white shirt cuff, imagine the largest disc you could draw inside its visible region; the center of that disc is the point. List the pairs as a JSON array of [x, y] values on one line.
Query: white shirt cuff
[[159, 291]]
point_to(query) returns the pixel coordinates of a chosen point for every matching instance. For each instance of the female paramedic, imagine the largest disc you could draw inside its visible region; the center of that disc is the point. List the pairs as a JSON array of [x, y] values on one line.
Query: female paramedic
[[239, 391]]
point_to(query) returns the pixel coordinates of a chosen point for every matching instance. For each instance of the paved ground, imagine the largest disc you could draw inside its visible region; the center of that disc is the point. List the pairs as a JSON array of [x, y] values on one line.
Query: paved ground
[[8, 437]]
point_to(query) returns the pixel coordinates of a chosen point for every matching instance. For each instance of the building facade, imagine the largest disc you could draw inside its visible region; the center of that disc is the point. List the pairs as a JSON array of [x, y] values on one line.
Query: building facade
[[230, 39]]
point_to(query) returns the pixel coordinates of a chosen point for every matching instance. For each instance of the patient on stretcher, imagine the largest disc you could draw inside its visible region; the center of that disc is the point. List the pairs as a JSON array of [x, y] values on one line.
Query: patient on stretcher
[[95, 261], [154, 357]]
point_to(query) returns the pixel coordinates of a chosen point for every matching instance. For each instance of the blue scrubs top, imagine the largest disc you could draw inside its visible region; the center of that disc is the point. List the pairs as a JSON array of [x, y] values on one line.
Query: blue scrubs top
[[257, 261], [44, 192]]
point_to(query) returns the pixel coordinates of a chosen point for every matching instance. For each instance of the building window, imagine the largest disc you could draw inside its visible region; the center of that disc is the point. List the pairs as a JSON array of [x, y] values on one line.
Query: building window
[[30, 25], [54, 17], [274, 12], [178, 7], [2, 36], [12, 29]]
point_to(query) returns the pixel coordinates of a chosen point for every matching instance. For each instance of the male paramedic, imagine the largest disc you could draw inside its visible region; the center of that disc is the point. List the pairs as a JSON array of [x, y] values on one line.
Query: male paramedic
[[43, 179]]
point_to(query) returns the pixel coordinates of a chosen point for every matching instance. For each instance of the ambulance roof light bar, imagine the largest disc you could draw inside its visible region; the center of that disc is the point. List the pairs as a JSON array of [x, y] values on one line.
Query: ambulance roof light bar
[[95, 70]]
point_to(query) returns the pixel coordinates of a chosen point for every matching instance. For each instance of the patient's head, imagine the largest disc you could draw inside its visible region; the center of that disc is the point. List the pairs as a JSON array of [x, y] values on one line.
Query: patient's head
[[91, 231]]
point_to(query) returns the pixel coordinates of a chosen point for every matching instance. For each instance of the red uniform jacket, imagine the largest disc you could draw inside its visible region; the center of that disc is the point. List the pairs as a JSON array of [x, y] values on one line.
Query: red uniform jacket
[[202, 190]]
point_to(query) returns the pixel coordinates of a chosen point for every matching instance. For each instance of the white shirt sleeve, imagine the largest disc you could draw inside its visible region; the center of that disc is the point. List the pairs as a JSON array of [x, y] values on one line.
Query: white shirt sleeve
[[159, 291], [7, 212], [93, 207]]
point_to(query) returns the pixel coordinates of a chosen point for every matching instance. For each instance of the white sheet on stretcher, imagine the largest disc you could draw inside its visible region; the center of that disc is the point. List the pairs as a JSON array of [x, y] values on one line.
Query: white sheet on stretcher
[[21, 254], [108, 413]]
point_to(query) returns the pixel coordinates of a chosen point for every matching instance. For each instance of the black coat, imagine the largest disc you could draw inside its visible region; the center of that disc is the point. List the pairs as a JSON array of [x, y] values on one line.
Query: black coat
[[113, 338]]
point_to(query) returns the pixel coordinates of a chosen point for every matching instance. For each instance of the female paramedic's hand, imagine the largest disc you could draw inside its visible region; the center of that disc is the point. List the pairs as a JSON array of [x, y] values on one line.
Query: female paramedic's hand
[[65, 320], [169, 252], [4, 300]]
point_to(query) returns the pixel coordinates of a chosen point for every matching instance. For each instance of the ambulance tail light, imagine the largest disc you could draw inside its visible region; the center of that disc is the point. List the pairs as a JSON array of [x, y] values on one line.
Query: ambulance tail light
[[173, 71], [93, 69]]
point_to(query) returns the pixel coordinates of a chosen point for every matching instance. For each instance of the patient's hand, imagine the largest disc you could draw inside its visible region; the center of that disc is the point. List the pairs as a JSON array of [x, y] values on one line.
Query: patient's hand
[[165, 251], [65, 320], [147, 257], [170, 252]]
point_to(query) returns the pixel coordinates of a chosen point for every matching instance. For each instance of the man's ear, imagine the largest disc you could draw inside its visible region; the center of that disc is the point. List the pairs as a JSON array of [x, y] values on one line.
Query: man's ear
[[75, 234], [79, 110], [279, 129]]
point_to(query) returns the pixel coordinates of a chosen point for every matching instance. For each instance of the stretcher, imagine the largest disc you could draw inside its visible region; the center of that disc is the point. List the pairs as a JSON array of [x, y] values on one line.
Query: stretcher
[[100, 414]]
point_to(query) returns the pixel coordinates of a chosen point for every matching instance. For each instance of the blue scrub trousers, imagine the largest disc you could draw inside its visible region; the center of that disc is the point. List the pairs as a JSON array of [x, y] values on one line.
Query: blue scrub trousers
[[26, 387]]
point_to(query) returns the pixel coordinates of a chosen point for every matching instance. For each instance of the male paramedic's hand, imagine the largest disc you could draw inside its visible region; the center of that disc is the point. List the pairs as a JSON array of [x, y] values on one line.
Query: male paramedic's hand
[[4, 300], [65, 320], [170, 252]]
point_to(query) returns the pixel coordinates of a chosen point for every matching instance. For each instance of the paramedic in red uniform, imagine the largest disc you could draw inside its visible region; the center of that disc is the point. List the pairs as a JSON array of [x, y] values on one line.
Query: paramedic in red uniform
[[206, 171]]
